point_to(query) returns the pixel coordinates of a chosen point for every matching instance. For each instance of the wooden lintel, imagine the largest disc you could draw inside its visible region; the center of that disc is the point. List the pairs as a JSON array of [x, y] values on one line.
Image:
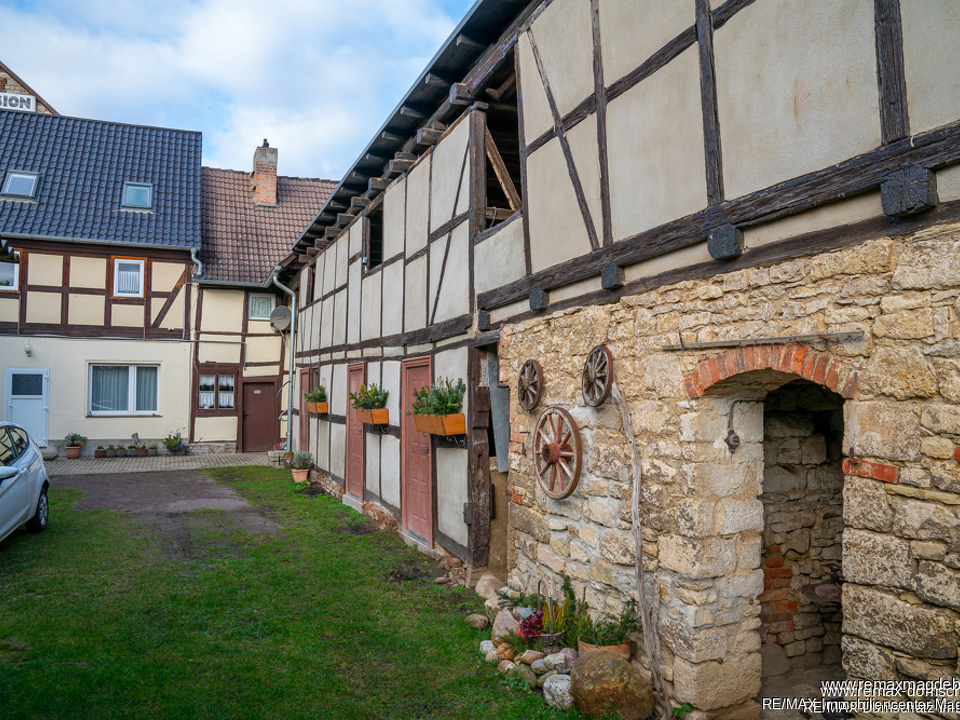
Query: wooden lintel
[[503, 175], [497, 214]]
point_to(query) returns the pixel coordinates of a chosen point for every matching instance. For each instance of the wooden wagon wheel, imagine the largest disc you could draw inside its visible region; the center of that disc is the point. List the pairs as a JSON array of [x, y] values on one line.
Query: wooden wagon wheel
[[557, 453], [597, 376], [530, 385]]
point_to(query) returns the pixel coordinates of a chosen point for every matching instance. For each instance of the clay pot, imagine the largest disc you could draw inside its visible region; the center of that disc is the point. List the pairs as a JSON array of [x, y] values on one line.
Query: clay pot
[[73, 451], [623, 649], [300, 475]]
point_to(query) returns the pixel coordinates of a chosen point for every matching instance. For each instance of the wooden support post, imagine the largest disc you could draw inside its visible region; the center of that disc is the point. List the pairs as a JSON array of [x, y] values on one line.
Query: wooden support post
[[500, 169]]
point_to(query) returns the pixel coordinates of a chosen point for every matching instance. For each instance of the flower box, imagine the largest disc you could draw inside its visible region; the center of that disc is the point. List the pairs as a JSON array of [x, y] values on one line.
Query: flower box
[[99, 453], [454, 424], [377, 416], [319, 407]]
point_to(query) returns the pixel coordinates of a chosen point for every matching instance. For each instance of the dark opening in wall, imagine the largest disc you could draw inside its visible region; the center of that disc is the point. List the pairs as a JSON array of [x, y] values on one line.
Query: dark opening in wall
[[503, 147], [373, 231]]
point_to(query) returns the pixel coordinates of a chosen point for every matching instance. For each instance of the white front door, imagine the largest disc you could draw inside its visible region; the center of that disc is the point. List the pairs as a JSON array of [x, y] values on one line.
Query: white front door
[[26, 395]]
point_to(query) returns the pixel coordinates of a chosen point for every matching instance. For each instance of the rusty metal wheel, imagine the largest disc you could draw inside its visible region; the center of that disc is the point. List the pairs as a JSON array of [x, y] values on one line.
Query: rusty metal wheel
[[597, 376], [530, 385], [557, 453]]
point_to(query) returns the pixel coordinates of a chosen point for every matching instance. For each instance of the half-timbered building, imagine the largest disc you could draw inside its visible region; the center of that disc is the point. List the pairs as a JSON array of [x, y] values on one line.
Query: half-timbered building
[[696, 261]]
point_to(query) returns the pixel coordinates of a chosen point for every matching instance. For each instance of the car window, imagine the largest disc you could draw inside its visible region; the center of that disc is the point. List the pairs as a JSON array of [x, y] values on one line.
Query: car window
[[20, 441], [7, 453]]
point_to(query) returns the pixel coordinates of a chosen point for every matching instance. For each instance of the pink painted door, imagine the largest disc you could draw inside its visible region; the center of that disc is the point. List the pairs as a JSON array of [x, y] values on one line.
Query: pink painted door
[[417, 476], [356, 375]]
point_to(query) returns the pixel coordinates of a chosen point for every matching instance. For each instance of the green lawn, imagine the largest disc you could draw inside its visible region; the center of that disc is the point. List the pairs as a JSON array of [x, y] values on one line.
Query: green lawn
[[96, 622]]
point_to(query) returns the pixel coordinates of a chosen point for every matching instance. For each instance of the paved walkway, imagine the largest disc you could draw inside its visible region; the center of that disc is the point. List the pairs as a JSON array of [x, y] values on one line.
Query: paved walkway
[[114, 466]]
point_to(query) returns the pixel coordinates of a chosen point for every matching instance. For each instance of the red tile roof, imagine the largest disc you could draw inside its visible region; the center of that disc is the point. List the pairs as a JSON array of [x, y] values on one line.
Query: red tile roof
[[243, 241]]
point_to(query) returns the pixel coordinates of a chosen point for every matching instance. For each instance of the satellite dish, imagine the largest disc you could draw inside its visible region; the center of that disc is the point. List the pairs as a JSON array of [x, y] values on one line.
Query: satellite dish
[[280, 318]]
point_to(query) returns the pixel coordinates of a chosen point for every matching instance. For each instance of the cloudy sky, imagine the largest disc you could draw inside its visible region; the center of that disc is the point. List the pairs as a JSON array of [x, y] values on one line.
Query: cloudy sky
[[315, 77]]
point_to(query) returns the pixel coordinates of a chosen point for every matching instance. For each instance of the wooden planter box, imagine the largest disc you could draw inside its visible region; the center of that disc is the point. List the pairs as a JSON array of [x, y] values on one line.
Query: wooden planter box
[[454, 424], [321, 408], [99, 453], [379, 416]]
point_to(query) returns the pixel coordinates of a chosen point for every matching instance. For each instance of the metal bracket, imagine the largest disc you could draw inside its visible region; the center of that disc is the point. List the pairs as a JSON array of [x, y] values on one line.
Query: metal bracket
[[467, 514], [732, 439]]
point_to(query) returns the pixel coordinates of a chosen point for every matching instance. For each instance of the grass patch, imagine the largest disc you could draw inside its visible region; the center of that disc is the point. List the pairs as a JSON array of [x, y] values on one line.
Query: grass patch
[[320, 620]]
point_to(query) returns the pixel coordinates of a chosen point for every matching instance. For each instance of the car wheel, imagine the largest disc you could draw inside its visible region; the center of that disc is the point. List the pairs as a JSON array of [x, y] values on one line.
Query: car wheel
[[39, 521]]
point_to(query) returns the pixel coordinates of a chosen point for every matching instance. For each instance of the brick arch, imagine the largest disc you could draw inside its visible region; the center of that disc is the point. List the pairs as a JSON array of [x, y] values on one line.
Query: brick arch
[[835, 373]]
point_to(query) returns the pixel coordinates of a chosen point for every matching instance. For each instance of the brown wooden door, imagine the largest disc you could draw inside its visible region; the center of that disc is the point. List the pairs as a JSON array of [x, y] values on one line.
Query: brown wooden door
[[356, 375], [261, 428], [416, 476]]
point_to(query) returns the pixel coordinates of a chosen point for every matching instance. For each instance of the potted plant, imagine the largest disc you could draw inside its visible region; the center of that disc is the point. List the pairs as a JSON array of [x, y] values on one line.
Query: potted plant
[[300, 463], [141, 449], [152, 450], [111, 451], [371, 405], [608, 633], [174, 444], [317, 400], [75, 442], [100, 452], [435, 409]]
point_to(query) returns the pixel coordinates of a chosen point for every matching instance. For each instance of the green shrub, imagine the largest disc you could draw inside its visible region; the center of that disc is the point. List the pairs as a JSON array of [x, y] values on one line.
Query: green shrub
[[369, 398], [75, 439], [317, 395], [301, 461], [444, 398]]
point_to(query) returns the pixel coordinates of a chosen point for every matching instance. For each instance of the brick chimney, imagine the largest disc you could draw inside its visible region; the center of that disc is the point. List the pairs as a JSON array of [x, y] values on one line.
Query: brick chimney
[[265, 175]]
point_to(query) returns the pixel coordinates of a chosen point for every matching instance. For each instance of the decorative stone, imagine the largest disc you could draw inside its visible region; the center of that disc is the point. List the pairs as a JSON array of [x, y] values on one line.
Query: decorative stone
[[571, 655], [556, 692], [538, 667], [525, 673], [603, 683], [541, 681], [487, 586], [492, 657], [505, 652], [503, 625], [506, 667], [554, 660], [491, 607], [480, 622], [486, 646], [530, 656]]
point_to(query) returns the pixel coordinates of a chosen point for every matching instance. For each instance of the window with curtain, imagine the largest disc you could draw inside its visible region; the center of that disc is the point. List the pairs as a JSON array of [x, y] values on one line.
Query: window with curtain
[[124, 389], [261, 306], [128, 278], [216, 391]]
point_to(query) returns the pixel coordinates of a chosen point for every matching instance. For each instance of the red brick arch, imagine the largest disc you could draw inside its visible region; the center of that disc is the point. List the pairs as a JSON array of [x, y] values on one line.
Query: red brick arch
[[822, 368]]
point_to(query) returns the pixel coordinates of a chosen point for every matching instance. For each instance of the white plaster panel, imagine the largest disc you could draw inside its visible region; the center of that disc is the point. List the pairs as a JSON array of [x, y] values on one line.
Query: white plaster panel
[[338, 443], [564, 37], [222, 310], [43, 307], [45, 269], [390, 377], [340, 318], [575, 289], [88, 272], [175, 315], [557, 230], [330, 268], [931, 36], [586, 156], [373, 373], [342, 258], [263, 349], [371, 463], [353, 322], [452, 364], [948, 183], [796, 89], [371, 307], [392, 276], [120, 315], [819, 218], [451, 492], [85, 309], [318, 269], [390, 470], [337, 390], [165, 275], [537, 118], [226, 349], [323, 445], [499, 259], [394, 218], [507, 311], [216, 429], [327, 322], [449, 175], [415, 295], [454, 297], [692, 255], [655, 138], [356, 237], [631, 31], [10, 309], [418, 204]]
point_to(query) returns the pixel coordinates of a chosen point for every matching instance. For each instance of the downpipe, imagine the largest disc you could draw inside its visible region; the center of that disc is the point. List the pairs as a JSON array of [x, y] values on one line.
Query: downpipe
[[292, 353]]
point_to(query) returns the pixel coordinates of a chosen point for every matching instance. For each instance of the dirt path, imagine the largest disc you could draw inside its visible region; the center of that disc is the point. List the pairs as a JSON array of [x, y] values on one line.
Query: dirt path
[[193, 516]]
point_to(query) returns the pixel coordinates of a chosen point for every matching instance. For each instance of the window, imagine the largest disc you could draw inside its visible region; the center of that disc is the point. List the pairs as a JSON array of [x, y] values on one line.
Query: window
[[127, 278], [216, 392], [9, 275], [21, 184], [261, 306], [138, 196], [123, 389]]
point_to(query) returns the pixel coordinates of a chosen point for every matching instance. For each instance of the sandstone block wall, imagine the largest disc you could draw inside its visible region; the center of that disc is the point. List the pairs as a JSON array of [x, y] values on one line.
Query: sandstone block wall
[[703, 515]]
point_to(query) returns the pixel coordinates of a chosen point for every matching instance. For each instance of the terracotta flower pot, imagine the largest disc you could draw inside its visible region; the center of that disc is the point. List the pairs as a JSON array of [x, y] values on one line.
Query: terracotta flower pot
[[73, 451], [300, 475], [624, 649]]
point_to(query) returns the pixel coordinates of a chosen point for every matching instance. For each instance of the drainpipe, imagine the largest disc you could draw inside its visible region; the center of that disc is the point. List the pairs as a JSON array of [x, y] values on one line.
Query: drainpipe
[[293, 352], [195, 257]]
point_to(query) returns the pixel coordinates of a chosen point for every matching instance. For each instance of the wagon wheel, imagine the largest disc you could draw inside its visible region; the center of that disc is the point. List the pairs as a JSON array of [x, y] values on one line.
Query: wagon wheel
[[557, 453], [597, 376], [530, 385]]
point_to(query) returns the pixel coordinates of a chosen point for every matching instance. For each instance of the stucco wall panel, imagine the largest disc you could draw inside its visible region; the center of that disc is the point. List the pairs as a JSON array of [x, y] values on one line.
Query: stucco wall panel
[[564, 37], [318, 267], [320, 443], [225, 350], [165, 275], [537, 118], [10, 308], [692, 255], [586, 156], [44, 269], [392, 277], [451, 492], [175, 315], [338, 443], [216, 429], [390, 469], [326, 325], [454, 297], [499, 259], [655, 137], [557, 231], [418, 192], [342, 258], [394, 218], [371, 307], [123, 315], [931, 35], [43, 307], [371, 462], [330, 268], [263, 349], [450, 176], [337, 390], [415, 300], [796, 89], [452, 364], [340, 318], [629, 37], [353, 309], [356, 237], [390, 377], [85, 309], [222, 310], [88, 272], [821, 218]]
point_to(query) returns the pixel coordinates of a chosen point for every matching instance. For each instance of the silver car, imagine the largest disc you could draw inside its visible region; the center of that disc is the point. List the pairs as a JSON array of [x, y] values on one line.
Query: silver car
[[23, 482]]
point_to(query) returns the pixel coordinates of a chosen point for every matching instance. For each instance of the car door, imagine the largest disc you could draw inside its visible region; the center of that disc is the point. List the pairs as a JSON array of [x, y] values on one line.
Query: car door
[[15, 492]]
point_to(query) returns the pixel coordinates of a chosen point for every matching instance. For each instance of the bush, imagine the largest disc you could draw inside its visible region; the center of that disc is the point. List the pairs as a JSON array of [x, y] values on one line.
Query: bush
[[369, 398], [317, 395], [75, 439], [301, 461], [444, 398]]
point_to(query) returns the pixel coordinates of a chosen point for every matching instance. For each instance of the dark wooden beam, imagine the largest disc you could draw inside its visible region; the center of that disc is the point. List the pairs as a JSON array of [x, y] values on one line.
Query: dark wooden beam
[[375, 183], [396, 167], [501, 171], [377, 159], [428, 136], [460, 95], [468, 43], [909, 191], [894, 120], [600, 93], [358, 201], [437, 81], [708, 97], [391, 137], [417, 113]]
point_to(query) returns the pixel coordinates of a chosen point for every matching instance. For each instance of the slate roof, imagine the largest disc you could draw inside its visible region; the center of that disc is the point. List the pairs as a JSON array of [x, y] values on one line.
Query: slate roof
[[243, 241], [83, 165]]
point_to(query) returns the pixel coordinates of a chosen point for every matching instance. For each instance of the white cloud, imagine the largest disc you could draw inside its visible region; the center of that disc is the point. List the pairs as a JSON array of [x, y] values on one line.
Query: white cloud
[[315, 77]]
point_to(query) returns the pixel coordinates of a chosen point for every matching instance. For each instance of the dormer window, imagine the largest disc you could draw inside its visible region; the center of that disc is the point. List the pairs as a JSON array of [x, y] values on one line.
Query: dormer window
[[20, 185], [137, 196]]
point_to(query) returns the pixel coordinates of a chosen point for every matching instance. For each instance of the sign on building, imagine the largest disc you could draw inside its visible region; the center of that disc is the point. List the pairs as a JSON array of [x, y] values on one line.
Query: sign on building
[[10, 101]]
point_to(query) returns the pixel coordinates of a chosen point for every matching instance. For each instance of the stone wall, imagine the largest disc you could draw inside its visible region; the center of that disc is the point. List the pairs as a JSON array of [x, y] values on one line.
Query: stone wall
[[700, 503]]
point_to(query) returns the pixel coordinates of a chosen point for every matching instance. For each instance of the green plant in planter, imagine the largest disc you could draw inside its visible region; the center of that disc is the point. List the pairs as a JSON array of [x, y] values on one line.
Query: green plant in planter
[[369, 398], [317, 395], [75, 439], [444, 398], [301, 461]]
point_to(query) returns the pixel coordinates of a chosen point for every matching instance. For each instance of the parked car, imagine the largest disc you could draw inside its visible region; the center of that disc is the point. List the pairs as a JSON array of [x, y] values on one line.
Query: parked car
[[23, 482]]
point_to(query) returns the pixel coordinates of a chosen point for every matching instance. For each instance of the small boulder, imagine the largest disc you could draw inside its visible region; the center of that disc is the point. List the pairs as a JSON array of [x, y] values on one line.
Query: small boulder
[[506, 666], [525, 673], [486, 646], [492, 657], [504, 624], [525, 612], [505, 652], [539, 667], [541, 681], [480, 622], [602, 683], [487, 586], [556, 692], [571, 656], [554, 660], [529, 656], [491, 607]]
